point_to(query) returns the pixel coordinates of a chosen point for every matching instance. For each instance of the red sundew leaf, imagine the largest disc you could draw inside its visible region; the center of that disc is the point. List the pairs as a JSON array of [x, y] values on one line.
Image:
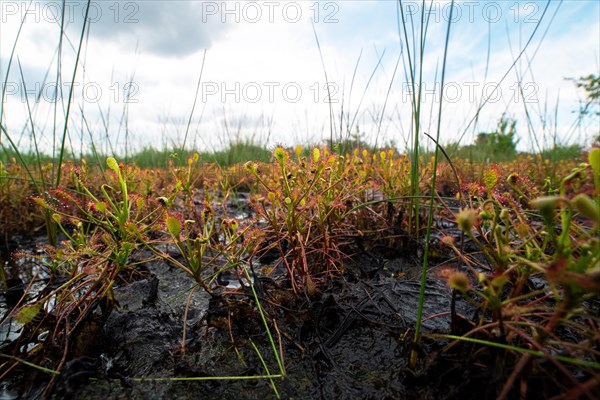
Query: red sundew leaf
[[473, 189]]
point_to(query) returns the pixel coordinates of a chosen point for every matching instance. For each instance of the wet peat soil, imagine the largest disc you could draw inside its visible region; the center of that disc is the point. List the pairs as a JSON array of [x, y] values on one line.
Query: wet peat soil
[[351, 339]]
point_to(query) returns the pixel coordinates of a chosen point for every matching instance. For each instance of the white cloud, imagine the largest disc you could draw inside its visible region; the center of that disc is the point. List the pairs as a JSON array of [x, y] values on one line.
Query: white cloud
[[264, 61]]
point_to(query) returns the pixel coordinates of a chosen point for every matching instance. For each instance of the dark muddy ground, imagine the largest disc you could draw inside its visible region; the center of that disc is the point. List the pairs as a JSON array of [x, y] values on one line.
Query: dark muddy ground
[[350, 340]]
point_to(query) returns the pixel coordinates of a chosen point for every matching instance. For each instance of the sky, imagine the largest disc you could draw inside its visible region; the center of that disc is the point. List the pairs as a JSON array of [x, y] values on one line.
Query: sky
[[207, 73]]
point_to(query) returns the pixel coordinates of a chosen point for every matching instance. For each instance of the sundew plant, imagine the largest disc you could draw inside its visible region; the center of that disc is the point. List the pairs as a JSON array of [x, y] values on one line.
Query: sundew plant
[[253, 188]]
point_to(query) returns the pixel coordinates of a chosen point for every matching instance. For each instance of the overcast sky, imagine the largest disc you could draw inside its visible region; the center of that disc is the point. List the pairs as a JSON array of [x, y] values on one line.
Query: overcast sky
[[275, 71]]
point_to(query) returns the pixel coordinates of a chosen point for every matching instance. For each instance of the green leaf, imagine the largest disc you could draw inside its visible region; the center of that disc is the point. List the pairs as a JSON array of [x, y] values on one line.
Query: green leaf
[[173, 226], [594, 159], [499, 282], [546, 205], [100, 206], [28, 313], [112, 164], [41, 202], [587, 207], [316, 154], [56, 218]]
